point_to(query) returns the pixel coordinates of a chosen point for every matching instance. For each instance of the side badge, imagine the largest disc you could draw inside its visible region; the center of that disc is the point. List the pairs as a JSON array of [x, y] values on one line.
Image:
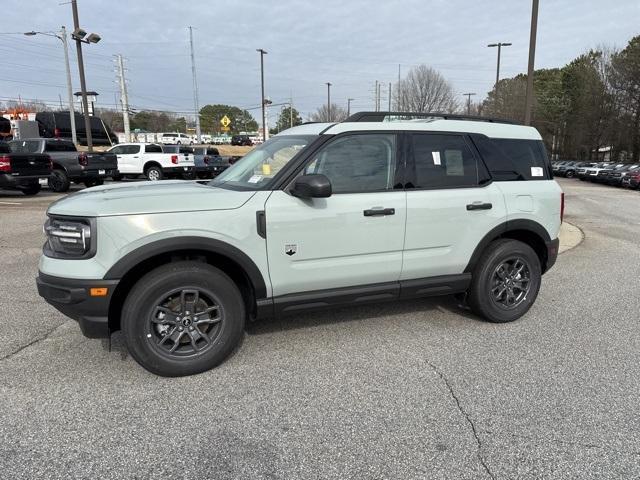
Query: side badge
[[291, 249]]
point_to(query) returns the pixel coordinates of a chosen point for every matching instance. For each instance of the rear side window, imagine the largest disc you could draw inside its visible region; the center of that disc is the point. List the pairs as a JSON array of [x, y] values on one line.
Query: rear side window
[[25, 146], [444, 161], [59, 146], [513, 159], [153, 149], [131, 149]]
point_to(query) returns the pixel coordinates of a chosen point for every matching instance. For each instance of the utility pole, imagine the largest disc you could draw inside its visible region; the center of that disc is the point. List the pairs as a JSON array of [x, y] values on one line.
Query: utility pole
[[328, 102], [389, 97], [499, 45], [468, 95], [83, 83], [124, 99], [349, 100], [376, 104], [532, 56], [264, 111], [196, 107], [291, 111], [398, 94]]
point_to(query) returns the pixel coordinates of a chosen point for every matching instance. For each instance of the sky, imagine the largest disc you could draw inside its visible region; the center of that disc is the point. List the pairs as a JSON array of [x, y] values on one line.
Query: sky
[[350, 43]]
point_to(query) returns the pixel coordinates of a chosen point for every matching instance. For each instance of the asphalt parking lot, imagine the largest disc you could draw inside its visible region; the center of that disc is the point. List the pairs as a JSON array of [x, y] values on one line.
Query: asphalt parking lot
[[413, 390]]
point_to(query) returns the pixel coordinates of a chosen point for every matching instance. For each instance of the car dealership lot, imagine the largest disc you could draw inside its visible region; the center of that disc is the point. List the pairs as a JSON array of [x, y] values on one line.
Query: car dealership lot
[[413, 390]]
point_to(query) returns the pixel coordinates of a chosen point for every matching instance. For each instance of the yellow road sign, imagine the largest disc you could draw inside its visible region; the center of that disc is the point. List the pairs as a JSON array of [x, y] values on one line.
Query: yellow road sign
[[225, 129], [225, 122]]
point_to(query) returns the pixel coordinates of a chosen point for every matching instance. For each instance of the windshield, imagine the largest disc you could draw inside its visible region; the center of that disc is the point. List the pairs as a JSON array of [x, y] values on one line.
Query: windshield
[[256, 170]]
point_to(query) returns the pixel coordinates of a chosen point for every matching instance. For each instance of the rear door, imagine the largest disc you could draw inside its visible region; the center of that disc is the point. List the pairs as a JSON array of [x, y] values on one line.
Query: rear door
[[451, 205], [354, 237]]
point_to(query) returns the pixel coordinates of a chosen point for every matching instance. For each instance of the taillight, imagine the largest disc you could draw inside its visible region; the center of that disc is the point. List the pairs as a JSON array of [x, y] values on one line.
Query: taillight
[[174, 159], [5, 164], [206, 160], [56, 132], [50, 162], [83, 159], [561, 207]]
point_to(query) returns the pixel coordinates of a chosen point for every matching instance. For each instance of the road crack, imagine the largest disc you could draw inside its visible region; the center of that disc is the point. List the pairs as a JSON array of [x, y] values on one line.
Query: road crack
[[481, 458], [31, 343]]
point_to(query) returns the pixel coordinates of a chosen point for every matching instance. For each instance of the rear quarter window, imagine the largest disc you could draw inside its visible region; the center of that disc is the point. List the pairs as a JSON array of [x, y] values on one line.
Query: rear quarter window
[[59, 146], [514, 159]]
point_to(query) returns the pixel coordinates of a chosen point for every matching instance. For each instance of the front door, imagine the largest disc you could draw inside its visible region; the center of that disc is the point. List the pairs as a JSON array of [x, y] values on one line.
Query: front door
[[354, 237]]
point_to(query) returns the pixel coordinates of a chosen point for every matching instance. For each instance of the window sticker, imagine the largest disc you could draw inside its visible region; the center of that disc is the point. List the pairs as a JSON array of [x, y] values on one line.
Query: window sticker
[[455, 163], [537, 172], [255, 179], [436, 158]]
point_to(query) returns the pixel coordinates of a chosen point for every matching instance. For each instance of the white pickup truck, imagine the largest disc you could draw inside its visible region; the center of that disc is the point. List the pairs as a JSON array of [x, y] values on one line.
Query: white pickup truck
[[150, 160]]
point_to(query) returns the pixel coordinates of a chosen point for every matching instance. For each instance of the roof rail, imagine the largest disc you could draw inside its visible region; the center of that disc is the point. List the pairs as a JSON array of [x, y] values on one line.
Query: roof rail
[[382, 116]]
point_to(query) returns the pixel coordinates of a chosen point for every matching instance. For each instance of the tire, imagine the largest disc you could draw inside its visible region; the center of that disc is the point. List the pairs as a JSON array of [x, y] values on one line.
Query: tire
[[487, 281], [153, 173], [117, 178], [570, 174], [189, 176], [31, 189], [59, 181], [93, 182], [158, 294]]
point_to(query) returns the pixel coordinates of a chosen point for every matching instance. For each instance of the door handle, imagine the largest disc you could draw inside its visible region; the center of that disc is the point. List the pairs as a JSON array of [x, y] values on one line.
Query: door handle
[[136, 156], [479, 206], [374, 212]]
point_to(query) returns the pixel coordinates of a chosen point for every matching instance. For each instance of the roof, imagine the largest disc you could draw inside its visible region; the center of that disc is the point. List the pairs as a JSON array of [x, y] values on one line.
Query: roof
[[490, 129]]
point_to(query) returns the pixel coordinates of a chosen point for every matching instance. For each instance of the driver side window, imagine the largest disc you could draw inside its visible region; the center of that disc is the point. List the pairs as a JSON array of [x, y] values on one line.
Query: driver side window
[[357, 163]]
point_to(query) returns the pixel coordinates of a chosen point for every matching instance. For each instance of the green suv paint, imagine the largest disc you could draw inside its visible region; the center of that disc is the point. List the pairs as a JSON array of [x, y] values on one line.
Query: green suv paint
[[380, 207]]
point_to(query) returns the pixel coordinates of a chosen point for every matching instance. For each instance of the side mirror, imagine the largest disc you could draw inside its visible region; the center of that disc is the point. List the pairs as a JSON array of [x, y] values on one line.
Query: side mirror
[[311, 186]]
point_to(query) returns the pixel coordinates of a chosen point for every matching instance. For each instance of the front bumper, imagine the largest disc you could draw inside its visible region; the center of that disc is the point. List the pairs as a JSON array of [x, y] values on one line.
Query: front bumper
[[553, 246], [72, 298]]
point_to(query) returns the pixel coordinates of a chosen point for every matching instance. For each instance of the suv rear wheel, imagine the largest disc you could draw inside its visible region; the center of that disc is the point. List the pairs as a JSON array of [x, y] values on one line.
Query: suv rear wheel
[[183, 318], [505, 281], [153, 173]]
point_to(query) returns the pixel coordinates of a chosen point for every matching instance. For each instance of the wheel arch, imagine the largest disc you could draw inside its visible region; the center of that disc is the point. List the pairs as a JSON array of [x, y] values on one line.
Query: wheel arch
[[149, 164], [232, 261], [526, 231]]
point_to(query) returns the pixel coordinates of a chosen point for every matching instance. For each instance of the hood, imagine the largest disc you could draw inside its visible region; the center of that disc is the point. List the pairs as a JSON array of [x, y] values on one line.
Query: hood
[[148, 197]]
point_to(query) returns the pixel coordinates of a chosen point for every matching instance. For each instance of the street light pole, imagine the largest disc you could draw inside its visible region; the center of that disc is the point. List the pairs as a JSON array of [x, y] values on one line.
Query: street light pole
[[532, 56], [83, 83], [63, 38], [349, 100], [499, 45], [328, 102], [264, 111], [468, 95]]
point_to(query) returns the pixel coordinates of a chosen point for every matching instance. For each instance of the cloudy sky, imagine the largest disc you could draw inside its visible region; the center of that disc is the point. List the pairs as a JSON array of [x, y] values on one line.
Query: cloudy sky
[[350, 43]]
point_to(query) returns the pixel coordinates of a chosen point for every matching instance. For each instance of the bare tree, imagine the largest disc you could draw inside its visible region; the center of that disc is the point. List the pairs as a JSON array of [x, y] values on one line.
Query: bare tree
[[338, 114], [424, 89]]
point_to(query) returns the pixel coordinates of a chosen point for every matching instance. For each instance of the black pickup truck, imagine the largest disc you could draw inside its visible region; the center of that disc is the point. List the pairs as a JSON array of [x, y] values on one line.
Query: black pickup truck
[[69, 165], [22, 171]]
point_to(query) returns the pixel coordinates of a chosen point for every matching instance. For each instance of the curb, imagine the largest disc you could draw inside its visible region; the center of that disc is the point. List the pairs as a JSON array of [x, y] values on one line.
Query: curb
[[570, 236]]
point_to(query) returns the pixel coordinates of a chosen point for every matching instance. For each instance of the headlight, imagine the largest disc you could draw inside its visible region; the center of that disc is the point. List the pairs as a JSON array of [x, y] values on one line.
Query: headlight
[[70, 237]]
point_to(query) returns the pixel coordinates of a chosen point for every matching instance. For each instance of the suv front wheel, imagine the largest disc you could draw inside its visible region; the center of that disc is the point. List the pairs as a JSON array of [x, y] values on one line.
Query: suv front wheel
[[505, 281], [183, 318]]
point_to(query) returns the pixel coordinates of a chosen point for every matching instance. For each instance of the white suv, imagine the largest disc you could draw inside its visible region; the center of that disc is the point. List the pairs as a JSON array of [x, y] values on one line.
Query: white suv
[[380, 207], [176, 139]]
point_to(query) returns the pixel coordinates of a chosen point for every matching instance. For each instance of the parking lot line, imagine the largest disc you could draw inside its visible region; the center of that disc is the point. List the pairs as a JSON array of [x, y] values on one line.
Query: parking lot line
[[10, 203]]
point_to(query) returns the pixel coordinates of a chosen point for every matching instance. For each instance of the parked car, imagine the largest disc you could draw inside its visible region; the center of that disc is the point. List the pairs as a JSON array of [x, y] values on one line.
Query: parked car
[[69, 165], [209, 163], [589, 173], [566, 169], [189, 154], [320, 215], [176, 139], [22, 171], [241, 140], [631, 179], [150, 160], [615, 177], [58, 125], [603, 174]]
